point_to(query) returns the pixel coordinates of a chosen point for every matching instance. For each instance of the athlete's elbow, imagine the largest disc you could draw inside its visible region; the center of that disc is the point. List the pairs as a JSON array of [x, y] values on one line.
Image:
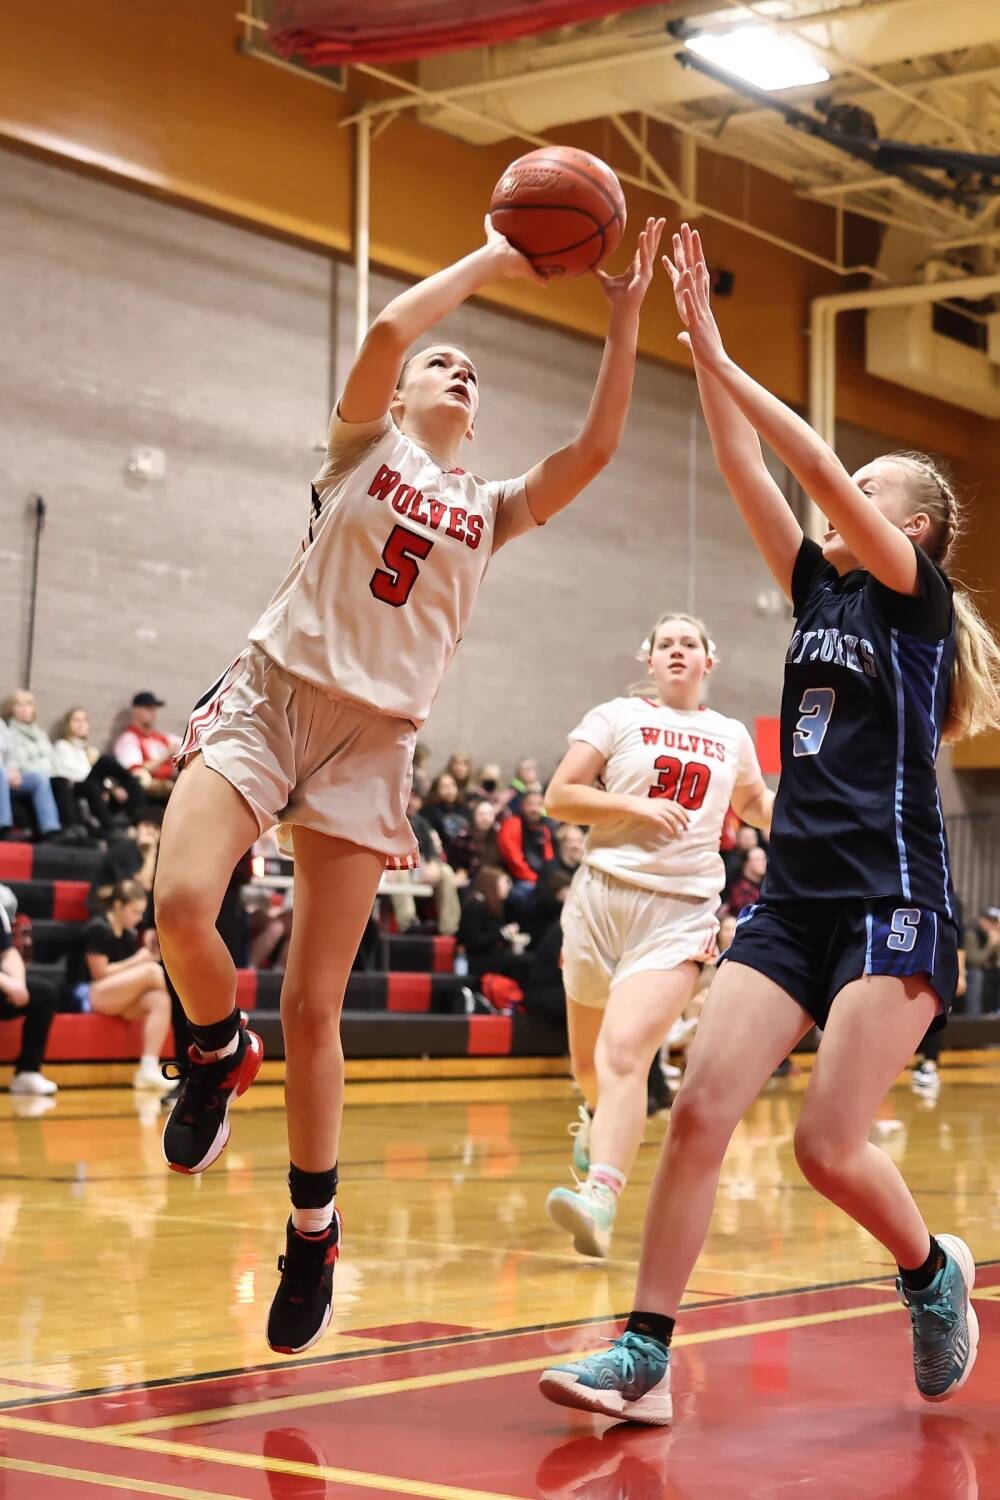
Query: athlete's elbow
[[386, 335], [557, 802]]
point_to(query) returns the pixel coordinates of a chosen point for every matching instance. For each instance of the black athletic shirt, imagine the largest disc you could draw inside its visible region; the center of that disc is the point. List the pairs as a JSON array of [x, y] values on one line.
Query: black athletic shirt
[[858, 812], [98, 936]]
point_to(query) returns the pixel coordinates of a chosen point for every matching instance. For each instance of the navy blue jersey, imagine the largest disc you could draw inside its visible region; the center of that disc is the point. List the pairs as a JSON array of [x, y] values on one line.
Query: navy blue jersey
[[858, 812]]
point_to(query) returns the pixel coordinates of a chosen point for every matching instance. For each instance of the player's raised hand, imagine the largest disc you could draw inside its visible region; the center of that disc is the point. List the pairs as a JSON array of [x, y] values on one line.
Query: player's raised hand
[[628, 289], [508, 261], [668, 816], [688, 272]]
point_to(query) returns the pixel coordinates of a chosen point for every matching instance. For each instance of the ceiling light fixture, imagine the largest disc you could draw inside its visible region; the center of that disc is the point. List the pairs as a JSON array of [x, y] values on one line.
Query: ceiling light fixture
[[766, 58]]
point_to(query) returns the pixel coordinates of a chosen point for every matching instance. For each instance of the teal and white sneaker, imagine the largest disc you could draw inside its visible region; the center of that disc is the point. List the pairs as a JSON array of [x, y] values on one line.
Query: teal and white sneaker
[[588, 1212], [630, 1381], [945, 1326], [580, 1131]]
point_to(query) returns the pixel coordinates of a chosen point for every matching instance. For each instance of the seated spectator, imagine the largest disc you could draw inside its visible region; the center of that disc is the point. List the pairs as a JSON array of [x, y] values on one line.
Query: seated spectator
[[982, 959], [459, 768], [488, 788], [145, 750], [492, 944], [131, 857], [111, 973], [525, 844], [745, 838], [421, 775], [745, 890], [35, 785], [36, 1002], [104, 785], [569, 849], [434, 871], [479, 846], [445, 811], [524, 779], [544, 994]]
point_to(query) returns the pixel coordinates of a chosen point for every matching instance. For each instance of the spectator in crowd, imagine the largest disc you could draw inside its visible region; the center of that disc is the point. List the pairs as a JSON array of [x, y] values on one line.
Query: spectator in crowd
[[445, 811], [32, 784], [489, 789], [36, 1002], [434, 871], [104, 785], [745, 890], [982, 956], [744, 839], [479, 846], [132, 857], [110, 972], [421, 775], [492, 944], [524, 779], [569, 848], [145, 750], [544, 994], [525, 844], [459, 767]]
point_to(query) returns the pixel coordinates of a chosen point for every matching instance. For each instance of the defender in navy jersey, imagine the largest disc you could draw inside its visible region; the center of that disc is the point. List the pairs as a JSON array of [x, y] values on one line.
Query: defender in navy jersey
[[855, 927]]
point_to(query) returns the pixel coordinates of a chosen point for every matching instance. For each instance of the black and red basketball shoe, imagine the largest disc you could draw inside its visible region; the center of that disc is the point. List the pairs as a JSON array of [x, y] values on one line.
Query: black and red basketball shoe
[[197, 1129], [303, 1303]]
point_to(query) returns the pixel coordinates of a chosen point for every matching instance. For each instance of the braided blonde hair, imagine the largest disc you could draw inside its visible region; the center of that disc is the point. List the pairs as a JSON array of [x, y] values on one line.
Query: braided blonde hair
[[974, 695]]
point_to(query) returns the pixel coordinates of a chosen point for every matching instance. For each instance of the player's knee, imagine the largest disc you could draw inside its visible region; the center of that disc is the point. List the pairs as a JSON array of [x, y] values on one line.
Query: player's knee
[[619, 1057], [820, 1155], [699, 1122], [309, 1017], [181, 906]]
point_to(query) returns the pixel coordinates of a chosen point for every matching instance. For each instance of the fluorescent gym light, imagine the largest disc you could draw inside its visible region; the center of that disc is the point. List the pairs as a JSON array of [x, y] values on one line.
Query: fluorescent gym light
[[769, 59]]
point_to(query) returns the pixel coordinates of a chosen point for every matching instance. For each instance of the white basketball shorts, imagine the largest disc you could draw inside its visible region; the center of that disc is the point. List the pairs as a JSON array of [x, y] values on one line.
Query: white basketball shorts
[[612, 930], [301, 757]]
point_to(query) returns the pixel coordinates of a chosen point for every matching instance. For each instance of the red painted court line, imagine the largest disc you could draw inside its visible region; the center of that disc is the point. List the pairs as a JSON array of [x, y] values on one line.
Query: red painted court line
[[401, 1333]]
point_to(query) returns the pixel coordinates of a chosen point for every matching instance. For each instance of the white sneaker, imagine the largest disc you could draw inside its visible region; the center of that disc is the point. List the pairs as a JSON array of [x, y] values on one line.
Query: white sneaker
[[32, 1083], [152, 1078]]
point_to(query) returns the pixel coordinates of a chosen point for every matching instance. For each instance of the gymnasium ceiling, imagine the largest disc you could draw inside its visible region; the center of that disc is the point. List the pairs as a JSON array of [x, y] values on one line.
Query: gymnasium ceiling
[[912, 83]]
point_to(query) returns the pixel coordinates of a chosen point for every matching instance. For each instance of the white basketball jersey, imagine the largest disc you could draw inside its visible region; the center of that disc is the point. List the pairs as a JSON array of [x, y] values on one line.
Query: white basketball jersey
[[694, 757], [377, 599]]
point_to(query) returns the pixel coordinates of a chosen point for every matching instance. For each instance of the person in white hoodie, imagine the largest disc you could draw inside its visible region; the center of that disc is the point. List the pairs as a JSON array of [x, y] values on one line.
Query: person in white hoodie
[[99, 780]]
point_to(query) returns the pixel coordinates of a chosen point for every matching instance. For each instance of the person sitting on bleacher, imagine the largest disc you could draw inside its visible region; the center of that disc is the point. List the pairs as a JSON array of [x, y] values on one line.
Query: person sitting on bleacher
[[104, 785], [33, 784], [109, 971], [434, 871], [36, 1002], [145, 750]]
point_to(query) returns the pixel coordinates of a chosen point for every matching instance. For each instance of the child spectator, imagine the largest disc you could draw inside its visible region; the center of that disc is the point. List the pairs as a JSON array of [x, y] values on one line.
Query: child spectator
[[36, 1002], [87, 773], [110, 972], [145, 750]]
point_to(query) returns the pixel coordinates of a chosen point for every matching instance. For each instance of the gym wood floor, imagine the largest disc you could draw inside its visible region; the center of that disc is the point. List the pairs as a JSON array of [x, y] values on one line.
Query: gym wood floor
[[132, 1356]]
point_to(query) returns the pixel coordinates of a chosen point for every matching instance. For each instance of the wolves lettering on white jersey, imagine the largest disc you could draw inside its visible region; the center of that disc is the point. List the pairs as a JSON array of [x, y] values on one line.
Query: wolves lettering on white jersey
[[376, 601], [694, 757]]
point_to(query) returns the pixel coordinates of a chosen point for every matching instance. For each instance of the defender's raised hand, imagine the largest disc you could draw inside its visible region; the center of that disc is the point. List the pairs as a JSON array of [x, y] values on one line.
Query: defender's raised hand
[[627, 290]]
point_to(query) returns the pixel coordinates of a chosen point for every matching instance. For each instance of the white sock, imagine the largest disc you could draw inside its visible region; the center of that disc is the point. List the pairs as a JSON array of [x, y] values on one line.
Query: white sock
[[603, 1175], [149, 1063], [226, 1051], [313, 1220]]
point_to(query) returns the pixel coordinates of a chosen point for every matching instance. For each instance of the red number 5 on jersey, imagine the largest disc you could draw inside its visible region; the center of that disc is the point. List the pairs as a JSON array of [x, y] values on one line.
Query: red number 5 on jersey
[[394, 583], [685, 785]]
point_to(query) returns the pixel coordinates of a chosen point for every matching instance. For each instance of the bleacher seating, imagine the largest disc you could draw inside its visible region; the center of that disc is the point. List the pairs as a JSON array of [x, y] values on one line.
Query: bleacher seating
[[414, 1006]]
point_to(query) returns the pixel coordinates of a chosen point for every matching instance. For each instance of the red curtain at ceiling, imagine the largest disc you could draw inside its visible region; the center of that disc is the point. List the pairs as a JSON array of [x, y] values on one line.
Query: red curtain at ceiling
[[325, 32]]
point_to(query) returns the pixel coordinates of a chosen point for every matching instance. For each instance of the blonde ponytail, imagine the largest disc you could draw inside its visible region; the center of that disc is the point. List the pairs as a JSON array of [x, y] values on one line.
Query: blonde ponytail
[[974, 693]]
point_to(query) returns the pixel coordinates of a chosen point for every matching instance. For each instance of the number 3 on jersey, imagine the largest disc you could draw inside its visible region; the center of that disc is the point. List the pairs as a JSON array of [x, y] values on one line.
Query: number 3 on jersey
[[814, 720], [394, 583]]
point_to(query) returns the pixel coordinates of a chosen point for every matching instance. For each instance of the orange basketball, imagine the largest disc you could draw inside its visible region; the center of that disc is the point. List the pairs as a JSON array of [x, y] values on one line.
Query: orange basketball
[[562, 208]]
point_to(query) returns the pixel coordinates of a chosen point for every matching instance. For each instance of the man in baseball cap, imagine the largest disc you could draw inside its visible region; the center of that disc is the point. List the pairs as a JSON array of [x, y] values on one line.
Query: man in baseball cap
[[145, 750]]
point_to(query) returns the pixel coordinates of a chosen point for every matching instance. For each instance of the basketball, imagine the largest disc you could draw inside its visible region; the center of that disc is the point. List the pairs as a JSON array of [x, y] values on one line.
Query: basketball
[[562, 208]]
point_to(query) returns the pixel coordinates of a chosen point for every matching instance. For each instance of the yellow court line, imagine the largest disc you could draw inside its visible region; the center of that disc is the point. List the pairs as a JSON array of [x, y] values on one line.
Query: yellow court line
[[112, 1481], [225, 1457], [276, 1404]]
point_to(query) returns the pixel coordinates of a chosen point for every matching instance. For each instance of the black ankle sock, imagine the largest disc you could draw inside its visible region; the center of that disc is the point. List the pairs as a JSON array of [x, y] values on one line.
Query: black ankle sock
[[652, 1326], [218, 1035], [919, 1279], [311, 1189]]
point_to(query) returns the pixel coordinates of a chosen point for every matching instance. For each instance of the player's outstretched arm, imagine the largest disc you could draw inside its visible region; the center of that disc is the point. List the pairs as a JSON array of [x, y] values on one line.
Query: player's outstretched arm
[[558, 479], [880, 547], [375, 373], [572, 797], [776, 533]]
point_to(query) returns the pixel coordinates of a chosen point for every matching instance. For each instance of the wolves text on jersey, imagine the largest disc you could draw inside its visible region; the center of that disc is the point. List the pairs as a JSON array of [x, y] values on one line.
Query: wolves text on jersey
[[831, 645], [679, 739], [388, 485]]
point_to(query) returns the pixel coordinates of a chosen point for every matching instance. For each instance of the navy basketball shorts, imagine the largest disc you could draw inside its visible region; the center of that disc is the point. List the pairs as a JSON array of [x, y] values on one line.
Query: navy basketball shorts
[[812, 949]]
